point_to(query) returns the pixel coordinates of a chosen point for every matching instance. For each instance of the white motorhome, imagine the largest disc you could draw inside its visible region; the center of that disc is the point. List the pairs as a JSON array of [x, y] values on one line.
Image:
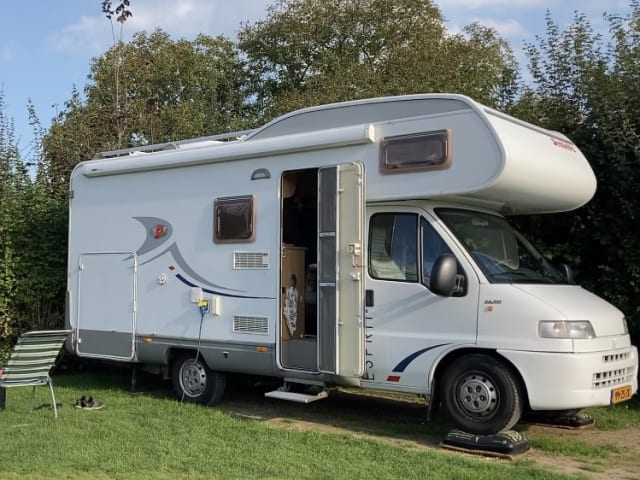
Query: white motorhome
[[354, 244]]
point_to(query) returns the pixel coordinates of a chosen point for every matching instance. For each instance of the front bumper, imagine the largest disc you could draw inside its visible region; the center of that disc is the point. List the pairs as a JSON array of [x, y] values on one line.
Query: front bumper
[[564, 381]]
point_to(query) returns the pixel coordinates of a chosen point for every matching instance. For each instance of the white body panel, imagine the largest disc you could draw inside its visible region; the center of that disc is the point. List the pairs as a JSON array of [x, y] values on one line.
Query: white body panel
[[499, 165], [561, 381]]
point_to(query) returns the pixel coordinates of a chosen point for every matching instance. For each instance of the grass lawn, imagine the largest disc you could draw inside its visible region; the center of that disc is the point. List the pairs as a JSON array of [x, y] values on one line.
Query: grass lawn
[[152, 436]]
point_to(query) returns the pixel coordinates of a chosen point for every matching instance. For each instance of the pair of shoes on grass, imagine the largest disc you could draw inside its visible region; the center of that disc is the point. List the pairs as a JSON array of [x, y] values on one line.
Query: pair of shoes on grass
[[88, 403]]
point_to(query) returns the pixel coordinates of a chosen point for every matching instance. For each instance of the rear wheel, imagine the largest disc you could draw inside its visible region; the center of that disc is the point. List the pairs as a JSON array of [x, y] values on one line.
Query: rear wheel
[[481, 395], [193, 381]]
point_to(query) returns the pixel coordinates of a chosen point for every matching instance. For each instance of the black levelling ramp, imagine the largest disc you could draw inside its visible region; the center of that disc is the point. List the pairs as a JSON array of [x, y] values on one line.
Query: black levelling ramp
[[575, 421], [509, 444]]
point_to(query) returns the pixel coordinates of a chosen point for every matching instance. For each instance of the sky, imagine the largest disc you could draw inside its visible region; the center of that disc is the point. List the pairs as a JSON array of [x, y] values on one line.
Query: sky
[[46, 46]]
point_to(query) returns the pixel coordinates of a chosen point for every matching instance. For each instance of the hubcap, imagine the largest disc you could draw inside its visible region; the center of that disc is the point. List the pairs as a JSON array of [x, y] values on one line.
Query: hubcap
[[478, 395], [193, 378]]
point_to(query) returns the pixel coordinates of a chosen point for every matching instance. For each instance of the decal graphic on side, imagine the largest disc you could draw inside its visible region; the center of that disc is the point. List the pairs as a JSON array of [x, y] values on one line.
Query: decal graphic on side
[[405, 362], [159, 232]]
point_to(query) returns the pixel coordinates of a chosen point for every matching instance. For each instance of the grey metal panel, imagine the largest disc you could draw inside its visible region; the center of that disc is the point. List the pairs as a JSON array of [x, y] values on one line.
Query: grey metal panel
[[300, 354], [104, 344], [358, 112], [327, 268], [327, 201], [327, 264], [222, 357], [327, 329]]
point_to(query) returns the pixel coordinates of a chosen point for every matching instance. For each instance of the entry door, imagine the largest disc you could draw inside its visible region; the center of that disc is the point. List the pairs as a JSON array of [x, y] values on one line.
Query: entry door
[[106, 305], [341, 270]]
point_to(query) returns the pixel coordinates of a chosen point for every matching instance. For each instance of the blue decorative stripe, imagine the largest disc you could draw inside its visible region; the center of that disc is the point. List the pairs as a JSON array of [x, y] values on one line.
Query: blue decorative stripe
[[406, 361], [187, 282]]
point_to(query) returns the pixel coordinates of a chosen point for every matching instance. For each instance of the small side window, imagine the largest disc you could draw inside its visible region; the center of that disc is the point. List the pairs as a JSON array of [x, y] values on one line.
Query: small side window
[[393, 247], [417, 152], [234, 219]]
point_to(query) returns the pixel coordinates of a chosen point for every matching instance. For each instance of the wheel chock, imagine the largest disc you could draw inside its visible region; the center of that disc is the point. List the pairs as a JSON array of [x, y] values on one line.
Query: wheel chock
[[576, 421], [504, 445]]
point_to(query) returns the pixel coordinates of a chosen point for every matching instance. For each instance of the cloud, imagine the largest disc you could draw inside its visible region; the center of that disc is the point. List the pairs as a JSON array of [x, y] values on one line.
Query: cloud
[[507, 28], [181, 18], [89, 35], [7, 52], [190, 17], [476, 4]]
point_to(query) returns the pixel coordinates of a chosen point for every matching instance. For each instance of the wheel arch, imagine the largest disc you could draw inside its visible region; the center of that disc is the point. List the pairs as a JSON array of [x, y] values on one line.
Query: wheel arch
[[441, 365], [175, 352]]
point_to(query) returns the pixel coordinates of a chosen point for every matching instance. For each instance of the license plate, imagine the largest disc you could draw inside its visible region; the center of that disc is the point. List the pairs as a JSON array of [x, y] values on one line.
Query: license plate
[[621, 394]]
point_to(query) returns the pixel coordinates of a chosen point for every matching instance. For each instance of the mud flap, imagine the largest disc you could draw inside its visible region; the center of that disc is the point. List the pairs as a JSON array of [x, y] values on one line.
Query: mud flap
[[506, 445]]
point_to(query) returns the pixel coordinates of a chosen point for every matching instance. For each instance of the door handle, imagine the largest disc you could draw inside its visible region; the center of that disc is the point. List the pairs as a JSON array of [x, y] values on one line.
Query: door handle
[[368, 298]]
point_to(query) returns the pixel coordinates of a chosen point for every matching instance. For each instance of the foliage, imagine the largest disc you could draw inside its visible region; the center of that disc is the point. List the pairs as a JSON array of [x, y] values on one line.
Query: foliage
[[151, 90], [591, 91], [9, 187], [32, 243], [121, 11], [309, 52]]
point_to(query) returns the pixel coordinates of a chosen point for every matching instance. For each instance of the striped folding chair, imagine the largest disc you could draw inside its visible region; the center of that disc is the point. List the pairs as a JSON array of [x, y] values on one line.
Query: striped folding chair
[[31, 361]]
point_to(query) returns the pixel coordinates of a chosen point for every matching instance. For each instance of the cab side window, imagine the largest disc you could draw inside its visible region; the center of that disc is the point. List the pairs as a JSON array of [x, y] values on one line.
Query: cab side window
[[393, 253], [434, 246]]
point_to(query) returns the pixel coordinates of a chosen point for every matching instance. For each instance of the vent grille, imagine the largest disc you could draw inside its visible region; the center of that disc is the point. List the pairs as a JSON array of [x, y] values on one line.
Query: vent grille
[[247, 324], [251, 260], [612, 378], [616, 357]]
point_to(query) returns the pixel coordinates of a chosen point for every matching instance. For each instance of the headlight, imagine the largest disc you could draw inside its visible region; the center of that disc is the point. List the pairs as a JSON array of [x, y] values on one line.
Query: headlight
[[566, 329]]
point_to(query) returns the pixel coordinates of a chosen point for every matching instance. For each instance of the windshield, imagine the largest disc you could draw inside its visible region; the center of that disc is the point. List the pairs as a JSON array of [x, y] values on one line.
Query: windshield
[[502, 253]]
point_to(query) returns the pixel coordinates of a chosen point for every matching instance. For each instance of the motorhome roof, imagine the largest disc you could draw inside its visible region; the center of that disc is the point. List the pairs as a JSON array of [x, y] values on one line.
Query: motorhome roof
[[335, 115], [499, 160], [371, 110]]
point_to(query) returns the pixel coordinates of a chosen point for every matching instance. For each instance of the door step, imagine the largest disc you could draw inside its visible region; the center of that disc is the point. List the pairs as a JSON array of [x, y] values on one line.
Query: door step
[[297, 397]]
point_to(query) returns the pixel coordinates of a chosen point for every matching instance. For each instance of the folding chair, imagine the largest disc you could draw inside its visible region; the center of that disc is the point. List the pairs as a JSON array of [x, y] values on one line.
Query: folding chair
[[31, 361]]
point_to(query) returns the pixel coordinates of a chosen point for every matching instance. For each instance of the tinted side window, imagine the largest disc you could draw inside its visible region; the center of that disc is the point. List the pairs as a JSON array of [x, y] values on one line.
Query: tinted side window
[[416, 152], [393, 246], [432, 247], [234, 219]]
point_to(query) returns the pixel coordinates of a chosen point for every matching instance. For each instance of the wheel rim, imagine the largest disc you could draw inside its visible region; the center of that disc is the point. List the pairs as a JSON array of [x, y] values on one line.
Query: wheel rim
[[193, 378], [478, 395]]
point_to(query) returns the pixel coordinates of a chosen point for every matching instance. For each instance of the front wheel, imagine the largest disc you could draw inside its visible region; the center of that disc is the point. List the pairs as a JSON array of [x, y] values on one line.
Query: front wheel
[[481, 395], [193, 381]]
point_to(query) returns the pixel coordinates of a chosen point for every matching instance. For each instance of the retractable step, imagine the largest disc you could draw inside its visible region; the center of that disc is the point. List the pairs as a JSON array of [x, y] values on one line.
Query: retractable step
[[297, 397]]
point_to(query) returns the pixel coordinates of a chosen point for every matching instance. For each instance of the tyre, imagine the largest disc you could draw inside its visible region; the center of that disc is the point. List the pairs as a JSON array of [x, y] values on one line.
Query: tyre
[[193, 381], [481, 395]]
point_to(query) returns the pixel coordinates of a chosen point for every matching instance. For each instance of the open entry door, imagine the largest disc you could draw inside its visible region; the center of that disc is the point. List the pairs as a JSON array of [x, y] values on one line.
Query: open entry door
[[106, 305], [341, 270]]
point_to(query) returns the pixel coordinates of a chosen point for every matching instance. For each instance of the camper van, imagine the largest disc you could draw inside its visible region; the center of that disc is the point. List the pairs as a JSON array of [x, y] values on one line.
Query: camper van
[[364, 244]]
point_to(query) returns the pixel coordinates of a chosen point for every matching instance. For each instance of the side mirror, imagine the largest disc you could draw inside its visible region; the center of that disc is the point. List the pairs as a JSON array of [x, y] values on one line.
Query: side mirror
[[444, 275], [566, 272]]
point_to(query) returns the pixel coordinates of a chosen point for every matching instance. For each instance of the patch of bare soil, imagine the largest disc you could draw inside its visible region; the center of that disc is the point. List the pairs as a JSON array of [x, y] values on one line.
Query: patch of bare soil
[[401, 421], [622, 461]]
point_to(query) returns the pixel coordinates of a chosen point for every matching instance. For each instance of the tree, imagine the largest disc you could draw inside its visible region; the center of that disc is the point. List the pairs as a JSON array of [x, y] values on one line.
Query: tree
[[32, 242], [9, 184], [591, 92], [310, 52], [151, 90], [121, 11]]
